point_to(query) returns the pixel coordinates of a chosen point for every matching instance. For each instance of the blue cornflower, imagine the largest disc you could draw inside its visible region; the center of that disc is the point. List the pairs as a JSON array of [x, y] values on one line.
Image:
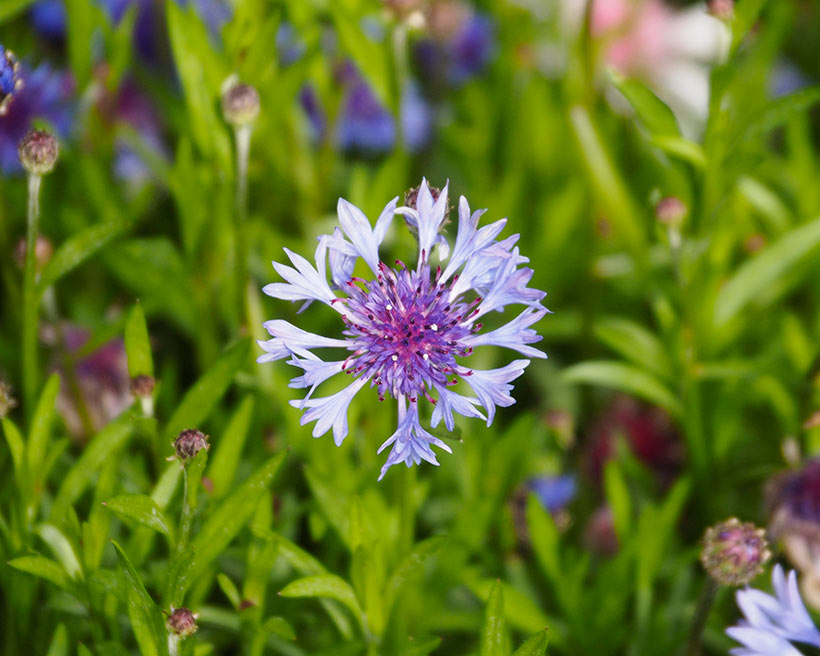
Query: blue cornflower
[[554, 492], [772, 623], [366, 126], [45, 95], [406, 329], [10, 79], [49, 18], [458, 56]]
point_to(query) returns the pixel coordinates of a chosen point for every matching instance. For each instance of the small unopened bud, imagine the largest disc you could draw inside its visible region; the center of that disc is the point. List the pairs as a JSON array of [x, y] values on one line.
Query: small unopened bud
[[142, 386], [670, 211], [189, 443], [38, 152], [446, 18], [43, 250], [240, 104], [722, 9], [411, 197], [182, 622], [7, 401], [733, 553], [403, 8]]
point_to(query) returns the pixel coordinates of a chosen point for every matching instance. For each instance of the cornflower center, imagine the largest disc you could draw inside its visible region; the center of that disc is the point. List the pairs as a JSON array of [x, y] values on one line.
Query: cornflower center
[[405, 332]]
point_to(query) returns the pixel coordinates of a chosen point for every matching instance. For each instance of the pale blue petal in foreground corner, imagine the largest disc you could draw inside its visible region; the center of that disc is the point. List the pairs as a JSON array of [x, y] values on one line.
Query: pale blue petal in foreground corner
[[772, 623]]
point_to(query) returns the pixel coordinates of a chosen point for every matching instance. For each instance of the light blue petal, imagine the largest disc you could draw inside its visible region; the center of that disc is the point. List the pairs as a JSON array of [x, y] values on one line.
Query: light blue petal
[[492, 386], [329, 411]]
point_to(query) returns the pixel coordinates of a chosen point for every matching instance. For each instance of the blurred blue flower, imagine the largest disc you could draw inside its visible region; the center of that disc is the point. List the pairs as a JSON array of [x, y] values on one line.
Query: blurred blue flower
[[49, 18], [45, 95], [366, 126], [406, 328], [289, 45], [461, 55], [554, 492], [786, 78], [772, 623]]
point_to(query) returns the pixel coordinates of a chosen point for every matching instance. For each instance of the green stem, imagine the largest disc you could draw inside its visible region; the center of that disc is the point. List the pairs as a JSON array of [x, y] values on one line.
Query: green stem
[[30, 301], [402, 75], [173, 644], [407, 508], [242, 136], [187, 514], [707, 598]]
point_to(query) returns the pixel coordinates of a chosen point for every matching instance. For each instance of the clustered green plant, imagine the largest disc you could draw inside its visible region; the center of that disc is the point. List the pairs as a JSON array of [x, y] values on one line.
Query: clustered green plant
[[158, 494]]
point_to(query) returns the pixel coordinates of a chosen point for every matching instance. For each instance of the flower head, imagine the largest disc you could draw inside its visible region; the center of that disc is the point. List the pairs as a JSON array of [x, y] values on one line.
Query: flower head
[[188, 443], [407, 330], [10, 79], [182, 622], [734, 553], [771, 623], [554, 492], [240, 104], [7, 401], [38, 152]]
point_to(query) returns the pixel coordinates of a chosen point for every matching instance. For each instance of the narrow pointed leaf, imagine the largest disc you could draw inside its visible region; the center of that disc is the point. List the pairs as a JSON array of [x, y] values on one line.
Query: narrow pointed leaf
[[493, 638], [137, 344], [141, 509]]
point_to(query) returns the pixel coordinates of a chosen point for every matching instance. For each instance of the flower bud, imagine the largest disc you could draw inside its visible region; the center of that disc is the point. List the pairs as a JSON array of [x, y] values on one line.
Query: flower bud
[[182, 622], [446, 18], [43, 250], [734, 553], [142, 386], [722, 9], [38, 152], [403, 8], [189, 443], [240, 104], [411, 197], [10, 80], [670, 211], [7, 401]]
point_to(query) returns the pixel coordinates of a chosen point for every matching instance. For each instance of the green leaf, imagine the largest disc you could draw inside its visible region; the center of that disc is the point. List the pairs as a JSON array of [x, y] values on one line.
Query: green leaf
[[280, 627], [545, 539], [201, 73], [328, 586], [780, 110], [333, 503], [45, 568], [62, 549], [306, 564], [635, 343], [76, 250], [146, 266], [617, 495], [41, 425], [137, 344], [228, 449], [625, 378], [682, 148], [17, 447], [111, 438], [534, 646], [80, 39], [141, 509], [202, 398], [651, 110], [410, 568], [607, 181], [10, 8], [493, 637], [227, 586], [223, 524], [146, 618], [755, 275], [59, 642]]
